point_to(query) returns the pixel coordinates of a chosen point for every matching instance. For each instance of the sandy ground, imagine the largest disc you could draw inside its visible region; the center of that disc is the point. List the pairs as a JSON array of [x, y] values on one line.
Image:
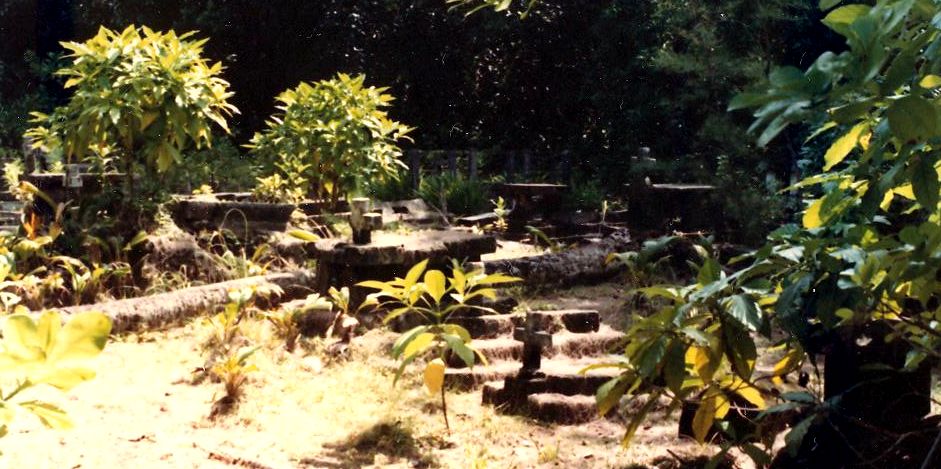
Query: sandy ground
[[305, 410]]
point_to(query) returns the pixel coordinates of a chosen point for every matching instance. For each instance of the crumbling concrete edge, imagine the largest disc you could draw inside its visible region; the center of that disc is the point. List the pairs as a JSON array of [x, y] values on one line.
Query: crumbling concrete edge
[[156, 311]]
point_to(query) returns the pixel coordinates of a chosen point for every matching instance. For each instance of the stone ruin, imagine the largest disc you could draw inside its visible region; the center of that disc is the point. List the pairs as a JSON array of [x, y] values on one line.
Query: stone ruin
[[535, 362]]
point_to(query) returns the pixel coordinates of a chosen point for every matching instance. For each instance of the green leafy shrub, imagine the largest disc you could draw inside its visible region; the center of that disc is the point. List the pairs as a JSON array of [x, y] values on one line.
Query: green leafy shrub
[[140, 97], [222, 166], [455, 194], [44, 352], [863, 257], [435, 298], [390, 189], [584, 195], [332, 135], [276, 189]]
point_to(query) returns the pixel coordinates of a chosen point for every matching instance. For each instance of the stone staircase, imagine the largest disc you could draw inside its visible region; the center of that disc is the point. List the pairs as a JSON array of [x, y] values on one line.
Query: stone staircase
[[10, 212], [559, 393]]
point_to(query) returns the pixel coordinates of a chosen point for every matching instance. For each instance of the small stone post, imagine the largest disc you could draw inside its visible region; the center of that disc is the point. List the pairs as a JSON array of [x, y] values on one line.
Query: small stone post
[[533, 341], [363, 222]]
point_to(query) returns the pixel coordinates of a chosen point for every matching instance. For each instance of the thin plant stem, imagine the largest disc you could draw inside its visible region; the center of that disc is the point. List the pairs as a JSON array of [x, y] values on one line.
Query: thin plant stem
[[444, 410]]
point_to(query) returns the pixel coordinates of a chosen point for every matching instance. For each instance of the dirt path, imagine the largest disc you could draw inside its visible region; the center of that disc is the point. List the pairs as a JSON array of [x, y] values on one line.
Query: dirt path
[[298, 411]]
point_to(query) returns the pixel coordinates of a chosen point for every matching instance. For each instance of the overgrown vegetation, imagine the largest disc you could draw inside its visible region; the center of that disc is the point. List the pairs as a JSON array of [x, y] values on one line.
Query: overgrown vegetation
[[139, 98], [433, 299], [861, 261], [44, 352], [332, 135]]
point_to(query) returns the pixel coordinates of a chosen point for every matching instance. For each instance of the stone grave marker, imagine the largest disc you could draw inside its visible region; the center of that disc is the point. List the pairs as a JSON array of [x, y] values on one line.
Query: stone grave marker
[[534, 340]]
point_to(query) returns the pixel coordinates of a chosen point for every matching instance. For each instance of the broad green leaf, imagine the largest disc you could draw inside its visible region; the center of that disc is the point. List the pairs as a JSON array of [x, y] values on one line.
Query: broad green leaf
[[434, 376], [925, 182], [702, 362], [399, 346], [812, 218], [841, 18], [435, 284], [21, 338], [744, 310], [494, 279], [50, 415], [709, 272], [47, 329], [457, 330], [304, 235], [705, 415], [638, 418], [457, 344], [912, 119], [844, 145], [63, 378], [674, 366], [748, 392], [795, 437], [930, 81], [411, 278], [376, 285], [740, 349], [609, 394], [419, 344]]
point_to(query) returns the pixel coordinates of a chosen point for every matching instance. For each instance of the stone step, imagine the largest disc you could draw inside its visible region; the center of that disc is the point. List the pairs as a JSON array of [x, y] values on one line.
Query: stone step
[[561, 376], [13, 229], [561, 409], [488, 326], [571, 344], [573, 320]]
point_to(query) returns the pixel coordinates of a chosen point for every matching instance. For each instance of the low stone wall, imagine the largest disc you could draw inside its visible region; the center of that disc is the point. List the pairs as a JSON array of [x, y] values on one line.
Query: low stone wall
[[154, 311], [579, 265]]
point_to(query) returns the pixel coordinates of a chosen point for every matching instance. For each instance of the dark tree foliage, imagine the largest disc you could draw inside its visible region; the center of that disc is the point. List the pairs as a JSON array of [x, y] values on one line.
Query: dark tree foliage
[[597, 79]]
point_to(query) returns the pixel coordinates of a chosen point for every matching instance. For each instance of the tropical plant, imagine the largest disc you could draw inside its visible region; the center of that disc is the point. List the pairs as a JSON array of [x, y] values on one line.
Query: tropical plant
[[234, 371], [44, 352], [140, 97], [276, 189], [434, 298], [332, 135], [863, 256], [285, 320], [500, 211], [225, 324]]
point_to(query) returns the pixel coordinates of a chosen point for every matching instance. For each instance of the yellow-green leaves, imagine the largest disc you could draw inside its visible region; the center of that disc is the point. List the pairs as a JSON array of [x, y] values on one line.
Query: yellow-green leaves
[[812, 217], [148, 93], [43, 351], [346, 122], [841, 18], [844, 145], [434, 376], [435, 284], [45, 342], [930, 81]]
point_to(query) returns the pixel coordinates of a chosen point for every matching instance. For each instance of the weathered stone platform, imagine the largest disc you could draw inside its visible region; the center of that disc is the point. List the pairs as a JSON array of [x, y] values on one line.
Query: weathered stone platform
[[341, 263], [558, 392]]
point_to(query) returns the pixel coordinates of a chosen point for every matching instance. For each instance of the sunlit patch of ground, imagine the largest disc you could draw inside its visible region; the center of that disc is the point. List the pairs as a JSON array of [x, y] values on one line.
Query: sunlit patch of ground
[[305, 410]]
